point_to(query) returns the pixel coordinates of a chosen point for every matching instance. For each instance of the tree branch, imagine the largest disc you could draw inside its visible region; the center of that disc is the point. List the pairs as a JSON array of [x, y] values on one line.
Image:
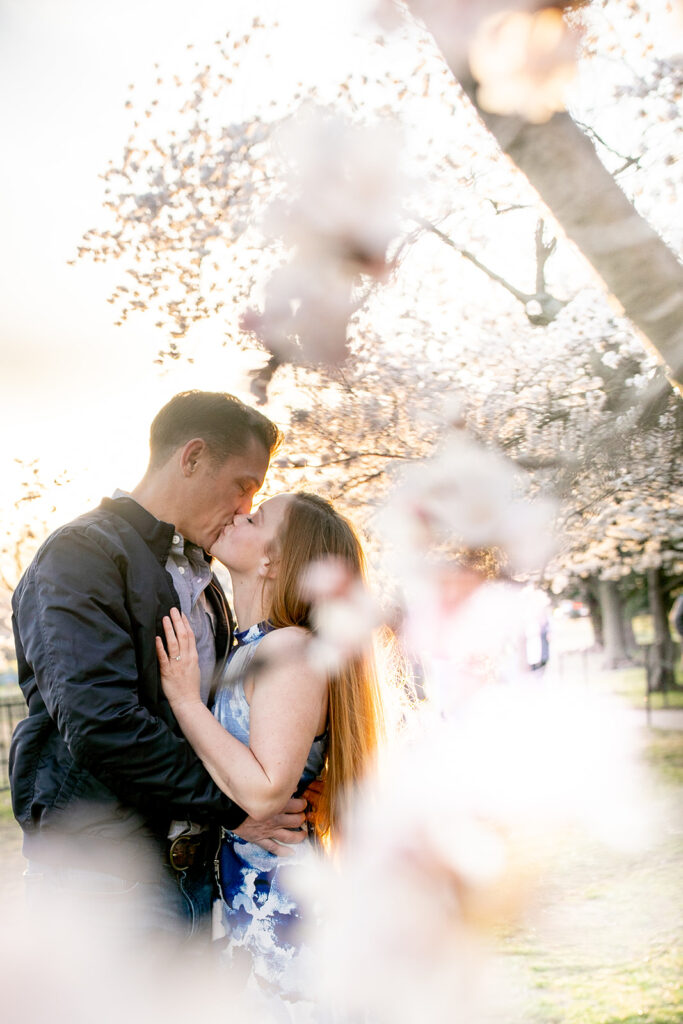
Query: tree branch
[[543, 253], [629, 161], [522, 297]]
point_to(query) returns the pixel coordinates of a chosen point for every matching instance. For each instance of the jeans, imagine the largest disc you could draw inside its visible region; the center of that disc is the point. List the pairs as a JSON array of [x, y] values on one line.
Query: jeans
[[197, 887], [175, 907]]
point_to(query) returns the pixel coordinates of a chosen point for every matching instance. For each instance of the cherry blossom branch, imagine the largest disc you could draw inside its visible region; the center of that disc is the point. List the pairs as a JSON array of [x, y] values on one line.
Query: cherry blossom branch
[[522, 297], [629, 161]]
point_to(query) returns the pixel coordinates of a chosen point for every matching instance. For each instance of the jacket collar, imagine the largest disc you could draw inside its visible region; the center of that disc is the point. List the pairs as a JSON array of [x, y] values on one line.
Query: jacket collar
[[156, 534]]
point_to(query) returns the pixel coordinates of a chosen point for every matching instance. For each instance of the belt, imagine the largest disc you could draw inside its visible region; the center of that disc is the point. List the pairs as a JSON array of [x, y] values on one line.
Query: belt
[[190, 850]]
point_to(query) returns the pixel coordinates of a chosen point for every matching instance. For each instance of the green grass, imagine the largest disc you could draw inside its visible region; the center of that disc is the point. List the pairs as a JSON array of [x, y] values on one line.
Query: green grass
[[663, 753], [6, 816], [629, 685], [604, 943], [572, 987], [573, 656]]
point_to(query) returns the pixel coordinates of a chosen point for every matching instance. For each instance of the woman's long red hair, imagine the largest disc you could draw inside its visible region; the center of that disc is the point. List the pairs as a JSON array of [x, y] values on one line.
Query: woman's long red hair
[[313, 530]]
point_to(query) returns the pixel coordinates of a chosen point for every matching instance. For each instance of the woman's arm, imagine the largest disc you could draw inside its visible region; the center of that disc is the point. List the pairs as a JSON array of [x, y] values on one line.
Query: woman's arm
[[288, 702]]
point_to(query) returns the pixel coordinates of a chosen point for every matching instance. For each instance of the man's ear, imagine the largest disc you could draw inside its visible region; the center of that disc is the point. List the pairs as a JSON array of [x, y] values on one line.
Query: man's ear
[[190, 455]]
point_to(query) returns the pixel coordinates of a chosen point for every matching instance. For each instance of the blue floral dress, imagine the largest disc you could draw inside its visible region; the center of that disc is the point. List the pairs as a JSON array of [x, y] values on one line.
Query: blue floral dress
[[259, 914]]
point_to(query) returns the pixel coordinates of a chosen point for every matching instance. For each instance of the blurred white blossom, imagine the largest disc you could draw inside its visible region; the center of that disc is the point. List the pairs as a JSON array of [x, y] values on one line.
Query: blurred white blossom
[[449, 841], [474, 641], [522, 57], [466, 496], [453, 22], [305, 313], [345, 613], [524, 62], [345, 188], [83, 958], [340, 216]]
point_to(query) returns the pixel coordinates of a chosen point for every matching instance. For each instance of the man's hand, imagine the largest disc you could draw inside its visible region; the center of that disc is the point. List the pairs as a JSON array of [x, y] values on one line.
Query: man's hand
[[283, 828]]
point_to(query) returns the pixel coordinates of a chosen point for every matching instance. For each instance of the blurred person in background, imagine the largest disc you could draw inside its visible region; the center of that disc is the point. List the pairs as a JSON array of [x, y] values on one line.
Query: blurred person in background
[[537, 629]]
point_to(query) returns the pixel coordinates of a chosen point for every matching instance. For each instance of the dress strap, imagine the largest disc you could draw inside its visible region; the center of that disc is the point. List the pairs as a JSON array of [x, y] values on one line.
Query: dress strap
[[255, 632]]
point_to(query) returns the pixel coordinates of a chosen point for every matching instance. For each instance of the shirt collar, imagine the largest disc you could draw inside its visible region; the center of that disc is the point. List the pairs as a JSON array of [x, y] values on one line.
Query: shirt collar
[[155, 533], [182, 548], [160, 536]]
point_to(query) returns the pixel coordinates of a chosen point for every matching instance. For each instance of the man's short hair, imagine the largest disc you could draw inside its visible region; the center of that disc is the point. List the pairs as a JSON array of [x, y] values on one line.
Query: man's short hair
[[227, 425]]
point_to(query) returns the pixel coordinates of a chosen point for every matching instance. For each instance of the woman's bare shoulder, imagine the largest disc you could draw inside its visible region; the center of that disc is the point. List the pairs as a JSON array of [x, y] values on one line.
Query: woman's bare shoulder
[[286, 640], [286, 649]]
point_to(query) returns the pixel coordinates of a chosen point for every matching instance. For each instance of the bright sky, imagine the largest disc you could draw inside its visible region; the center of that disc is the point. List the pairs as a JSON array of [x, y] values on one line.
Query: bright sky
[[74, 389]]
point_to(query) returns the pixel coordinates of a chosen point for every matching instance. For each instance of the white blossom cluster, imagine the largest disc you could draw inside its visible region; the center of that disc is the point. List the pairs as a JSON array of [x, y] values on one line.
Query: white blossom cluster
[[341, 212]]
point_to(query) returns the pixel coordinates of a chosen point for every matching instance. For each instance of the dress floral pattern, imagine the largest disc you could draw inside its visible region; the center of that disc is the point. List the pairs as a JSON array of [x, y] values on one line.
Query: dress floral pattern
[[260, 917]]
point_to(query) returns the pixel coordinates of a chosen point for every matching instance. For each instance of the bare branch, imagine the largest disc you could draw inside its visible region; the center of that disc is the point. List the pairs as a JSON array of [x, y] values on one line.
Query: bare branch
[[352, 484], [629, 161], [543, 253], [522, 297]]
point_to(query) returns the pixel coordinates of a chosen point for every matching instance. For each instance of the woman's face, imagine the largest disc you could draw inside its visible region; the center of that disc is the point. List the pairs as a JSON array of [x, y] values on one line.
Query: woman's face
[[244, 545]]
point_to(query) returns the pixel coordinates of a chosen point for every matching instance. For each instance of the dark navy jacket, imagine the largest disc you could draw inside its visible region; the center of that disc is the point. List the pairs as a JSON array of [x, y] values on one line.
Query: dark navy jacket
[[100, 757]]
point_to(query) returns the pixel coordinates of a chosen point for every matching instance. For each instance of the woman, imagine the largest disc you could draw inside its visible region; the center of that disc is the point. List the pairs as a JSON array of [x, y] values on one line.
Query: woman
[[278, 722]]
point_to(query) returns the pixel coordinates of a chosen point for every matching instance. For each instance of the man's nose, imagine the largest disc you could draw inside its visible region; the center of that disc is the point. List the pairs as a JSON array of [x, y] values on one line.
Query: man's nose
[[244, 507]]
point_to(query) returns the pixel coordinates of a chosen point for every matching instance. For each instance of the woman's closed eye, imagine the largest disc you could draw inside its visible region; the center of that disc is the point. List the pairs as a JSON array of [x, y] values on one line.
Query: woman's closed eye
[[249, 519]]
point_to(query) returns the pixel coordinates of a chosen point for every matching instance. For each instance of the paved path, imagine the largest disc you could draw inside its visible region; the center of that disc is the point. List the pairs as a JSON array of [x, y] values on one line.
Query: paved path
[[660, 718]]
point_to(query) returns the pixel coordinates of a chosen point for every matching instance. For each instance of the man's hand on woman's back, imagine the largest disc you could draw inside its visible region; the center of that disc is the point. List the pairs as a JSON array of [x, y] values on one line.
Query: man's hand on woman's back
[[277, 833]]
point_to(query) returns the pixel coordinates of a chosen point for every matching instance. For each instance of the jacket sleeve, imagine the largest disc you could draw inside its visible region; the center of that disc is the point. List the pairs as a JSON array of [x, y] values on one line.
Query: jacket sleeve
[[78, 638]]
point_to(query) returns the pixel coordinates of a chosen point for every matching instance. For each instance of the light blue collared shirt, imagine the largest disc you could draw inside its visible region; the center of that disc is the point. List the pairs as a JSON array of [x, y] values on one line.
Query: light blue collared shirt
[[191, 575]]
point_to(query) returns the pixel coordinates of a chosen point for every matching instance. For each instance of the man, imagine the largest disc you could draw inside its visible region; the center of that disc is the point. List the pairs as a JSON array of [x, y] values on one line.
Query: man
[[99, 769]]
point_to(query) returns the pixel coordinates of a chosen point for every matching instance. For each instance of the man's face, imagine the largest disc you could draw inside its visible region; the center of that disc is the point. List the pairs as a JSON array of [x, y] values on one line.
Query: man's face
[[215, 492]]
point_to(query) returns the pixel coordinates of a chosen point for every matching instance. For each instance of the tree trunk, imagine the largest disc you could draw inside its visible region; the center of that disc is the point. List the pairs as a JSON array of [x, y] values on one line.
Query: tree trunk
[[660, 674], [629, 636], [561, 163], [589, 594], [615, 652]]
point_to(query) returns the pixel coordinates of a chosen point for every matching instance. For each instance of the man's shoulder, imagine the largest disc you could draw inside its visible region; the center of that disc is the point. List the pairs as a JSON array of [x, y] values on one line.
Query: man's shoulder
[[99, 519], [98, 529], [93, 532]]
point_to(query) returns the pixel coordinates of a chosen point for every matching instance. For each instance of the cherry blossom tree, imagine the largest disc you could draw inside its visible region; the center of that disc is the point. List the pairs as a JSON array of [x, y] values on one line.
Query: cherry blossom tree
[[570, 399], [513, 66], [196, 192], [25, 527]]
